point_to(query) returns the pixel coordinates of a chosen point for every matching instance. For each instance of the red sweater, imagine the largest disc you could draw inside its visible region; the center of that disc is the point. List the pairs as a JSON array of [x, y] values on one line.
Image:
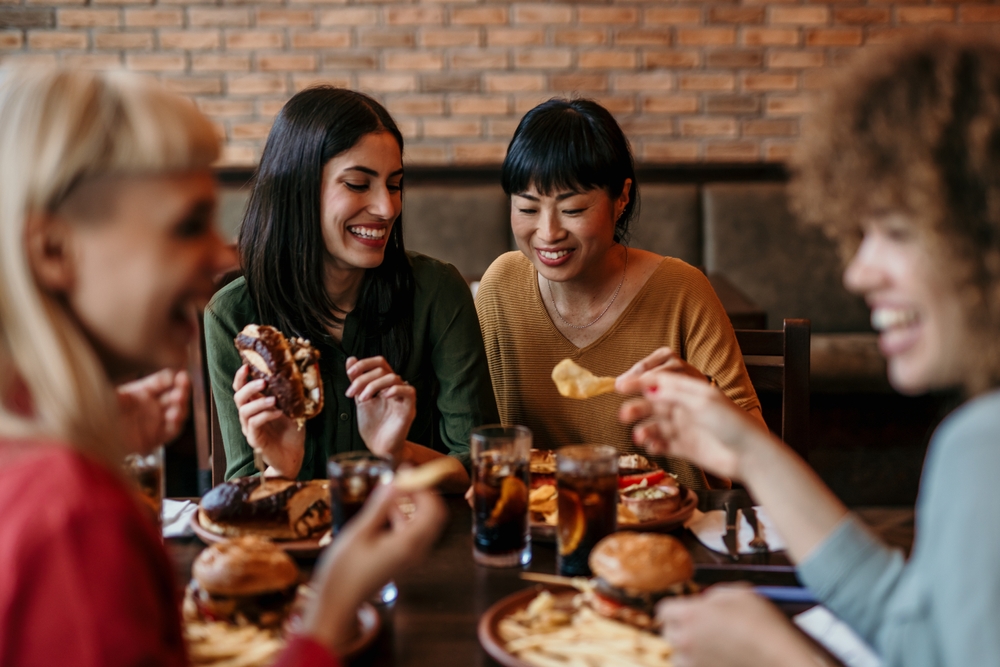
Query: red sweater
[[84, 578]]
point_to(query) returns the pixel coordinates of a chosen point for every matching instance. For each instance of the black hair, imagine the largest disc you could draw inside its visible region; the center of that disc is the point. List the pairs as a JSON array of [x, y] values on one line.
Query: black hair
[[281, 240], [575, 145]]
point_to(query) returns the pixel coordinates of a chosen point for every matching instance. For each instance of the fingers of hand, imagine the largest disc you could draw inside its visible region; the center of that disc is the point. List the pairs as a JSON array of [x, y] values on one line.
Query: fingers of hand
[[262, 405], [249, 392], [240, 378], [361, 366], [378, 384]]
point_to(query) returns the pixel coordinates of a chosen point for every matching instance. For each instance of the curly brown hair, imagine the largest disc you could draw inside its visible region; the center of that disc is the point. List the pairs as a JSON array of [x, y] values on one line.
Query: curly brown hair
[[916, 129]]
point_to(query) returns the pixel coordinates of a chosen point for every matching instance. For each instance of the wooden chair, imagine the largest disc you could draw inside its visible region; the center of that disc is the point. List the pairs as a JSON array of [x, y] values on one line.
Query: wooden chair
[[778, 364]]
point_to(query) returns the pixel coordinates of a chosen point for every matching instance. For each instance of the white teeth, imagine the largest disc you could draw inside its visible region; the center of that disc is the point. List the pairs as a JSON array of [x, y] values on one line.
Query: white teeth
[[553, 255], [368, 232], [891, 318]]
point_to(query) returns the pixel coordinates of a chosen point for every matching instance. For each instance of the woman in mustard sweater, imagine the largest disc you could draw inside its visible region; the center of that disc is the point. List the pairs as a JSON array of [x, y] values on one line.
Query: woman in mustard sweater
[[576, 290]]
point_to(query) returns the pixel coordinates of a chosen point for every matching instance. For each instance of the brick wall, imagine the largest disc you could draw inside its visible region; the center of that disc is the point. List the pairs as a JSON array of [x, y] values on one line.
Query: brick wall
[[691, 81]]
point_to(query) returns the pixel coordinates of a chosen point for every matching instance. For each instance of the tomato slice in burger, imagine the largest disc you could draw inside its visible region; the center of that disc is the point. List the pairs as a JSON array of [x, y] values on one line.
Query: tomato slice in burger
[[651, 477]]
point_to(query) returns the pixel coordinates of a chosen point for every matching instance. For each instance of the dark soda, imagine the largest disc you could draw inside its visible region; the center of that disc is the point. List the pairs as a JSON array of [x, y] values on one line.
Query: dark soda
[[588, 512], [500, 505]]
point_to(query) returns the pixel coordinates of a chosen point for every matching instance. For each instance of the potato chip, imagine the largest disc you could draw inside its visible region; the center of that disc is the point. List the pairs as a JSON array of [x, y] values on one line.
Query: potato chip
[[574, 381]]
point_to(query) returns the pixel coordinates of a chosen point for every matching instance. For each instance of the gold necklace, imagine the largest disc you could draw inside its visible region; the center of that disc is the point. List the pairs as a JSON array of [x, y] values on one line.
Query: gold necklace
[[606, 309]]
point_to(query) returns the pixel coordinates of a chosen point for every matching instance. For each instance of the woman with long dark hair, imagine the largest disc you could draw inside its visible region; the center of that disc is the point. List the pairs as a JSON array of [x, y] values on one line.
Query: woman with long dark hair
[[323, 258], [576, 290]]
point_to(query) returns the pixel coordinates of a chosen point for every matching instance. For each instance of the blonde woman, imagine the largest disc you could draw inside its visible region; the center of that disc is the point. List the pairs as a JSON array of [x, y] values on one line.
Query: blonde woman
[[106, 247]]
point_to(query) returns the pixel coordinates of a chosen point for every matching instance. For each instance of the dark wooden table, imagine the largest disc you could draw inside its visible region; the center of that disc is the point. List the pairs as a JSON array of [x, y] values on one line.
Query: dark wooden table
[[433, 622]]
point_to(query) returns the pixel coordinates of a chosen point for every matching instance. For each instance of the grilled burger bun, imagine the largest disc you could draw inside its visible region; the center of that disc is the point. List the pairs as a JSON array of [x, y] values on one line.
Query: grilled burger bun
[[290, 368], [242, 580], [634, 571], [272, 507]]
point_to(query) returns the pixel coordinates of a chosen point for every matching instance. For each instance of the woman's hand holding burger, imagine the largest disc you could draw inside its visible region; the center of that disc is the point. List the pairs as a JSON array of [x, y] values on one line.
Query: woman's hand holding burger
[[385, 403], [267, 429], [373, 548]]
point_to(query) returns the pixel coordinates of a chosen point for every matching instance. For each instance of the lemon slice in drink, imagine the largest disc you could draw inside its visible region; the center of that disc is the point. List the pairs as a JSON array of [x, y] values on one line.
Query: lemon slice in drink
[[572, 521]]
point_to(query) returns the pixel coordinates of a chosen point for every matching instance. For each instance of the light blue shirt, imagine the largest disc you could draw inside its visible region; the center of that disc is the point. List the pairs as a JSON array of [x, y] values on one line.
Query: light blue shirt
[[942, 607]]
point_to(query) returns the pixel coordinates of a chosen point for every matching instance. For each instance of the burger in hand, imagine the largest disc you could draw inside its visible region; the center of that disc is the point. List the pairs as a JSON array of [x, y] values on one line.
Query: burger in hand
[[245, 580], [634, 571], [289, 366]]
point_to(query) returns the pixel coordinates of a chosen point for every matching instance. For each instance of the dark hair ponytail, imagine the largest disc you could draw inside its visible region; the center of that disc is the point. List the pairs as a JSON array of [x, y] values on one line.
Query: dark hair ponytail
[[576, 145], [281, 239]]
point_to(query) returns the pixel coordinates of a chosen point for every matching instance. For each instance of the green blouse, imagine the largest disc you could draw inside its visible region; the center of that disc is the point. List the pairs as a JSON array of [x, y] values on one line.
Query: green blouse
[[447, 367]]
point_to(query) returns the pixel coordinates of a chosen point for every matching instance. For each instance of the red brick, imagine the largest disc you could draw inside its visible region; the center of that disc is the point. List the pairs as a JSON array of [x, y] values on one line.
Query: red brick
[[351, 60], [29, 59], [515, 37], [734, 59], [731, 104], [190, 85], [154, 18], [118, 2], [670, 151], [11, 39], [643, 37], [577, 37], [123, 40], [255, 39], [764, 82], [732, 151], [542, 58], [673, 15], [800, 15], [256, 84], [672, 59], [321, 39], [785, 106], [861, 15], [155, 62], [795, 59], [770, 36], [979, 13], [387, 83], [250, 130], [87, 18], [238, 156], [478, 59], [275, 18], [542, 13], [708, 127], [775, 151], [818, 79], [445, 37], [303, 81], [645, 82], [414, 15], [720, 81], [670, 104], [417, 105], [216, 16], [51, 40], [377, 38], [348, 16], [413, 60], [578, 82], [479, 105], [425, 154], [271, 108], [648, 127], [925, 14], [512, 83], [486, 152], [409, 128], [192, 40], [740, 15], [834, 37], [706, 36], [479, 15], [770, 128], [501, 128], [886, 35], [225, 108], [99, 61], [445, 128], [286, 62], [606, 60], [607, 15], [220, 62], [616, 104]]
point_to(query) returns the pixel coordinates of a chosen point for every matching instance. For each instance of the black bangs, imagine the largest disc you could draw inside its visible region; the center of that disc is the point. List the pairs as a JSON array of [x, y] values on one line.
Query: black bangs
[[571, 145]]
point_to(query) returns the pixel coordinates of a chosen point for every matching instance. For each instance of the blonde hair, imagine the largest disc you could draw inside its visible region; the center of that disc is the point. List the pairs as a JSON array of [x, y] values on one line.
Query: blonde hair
[[59, 128]]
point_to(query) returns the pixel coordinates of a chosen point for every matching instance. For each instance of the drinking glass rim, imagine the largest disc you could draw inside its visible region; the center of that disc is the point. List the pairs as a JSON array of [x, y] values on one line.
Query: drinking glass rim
[[591, 453], [500, 431]]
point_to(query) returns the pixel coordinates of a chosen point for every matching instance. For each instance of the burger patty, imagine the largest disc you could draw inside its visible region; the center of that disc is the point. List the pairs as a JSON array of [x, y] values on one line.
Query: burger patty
[[266, 610]]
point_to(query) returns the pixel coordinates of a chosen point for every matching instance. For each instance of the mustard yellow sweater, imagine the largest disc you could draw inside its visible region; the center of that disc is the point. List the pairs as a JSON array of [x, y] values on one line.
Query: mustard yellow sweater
[[677, 308]]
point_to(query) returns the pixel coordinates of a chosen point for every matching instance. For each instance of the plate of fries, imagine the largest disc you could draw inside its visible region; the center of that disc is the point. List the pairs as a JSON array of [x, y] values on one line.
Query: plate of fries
[[218, 644], [544, 517], [551, 626]]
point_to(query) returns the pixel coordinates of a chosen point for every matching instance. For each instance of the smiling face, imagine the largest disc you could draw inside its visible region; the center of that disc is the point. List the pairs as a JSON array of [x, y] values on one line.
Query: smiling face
[[565, 234], [361, 199], [918, 314], [133, 274]]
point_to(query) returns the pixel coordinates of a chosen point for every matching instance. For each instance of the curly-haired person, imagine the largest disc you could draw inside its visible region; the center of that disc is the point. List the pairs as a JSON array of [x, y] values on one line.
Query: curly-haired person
[[903, 168]]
